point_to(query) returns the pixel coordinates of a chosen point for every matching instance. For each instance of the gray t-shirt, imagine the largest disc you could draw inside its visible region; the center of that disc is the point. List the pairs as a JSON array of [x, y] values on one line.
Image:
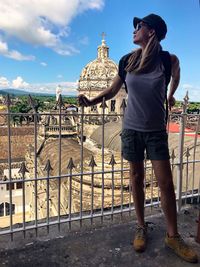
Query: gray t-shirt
[[145, 110]]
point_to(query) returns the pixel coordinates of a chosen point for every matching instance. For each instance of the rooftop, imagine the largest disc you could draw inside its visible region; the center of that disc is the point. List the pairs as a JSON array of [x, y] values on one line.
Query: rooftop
[[104, 245]]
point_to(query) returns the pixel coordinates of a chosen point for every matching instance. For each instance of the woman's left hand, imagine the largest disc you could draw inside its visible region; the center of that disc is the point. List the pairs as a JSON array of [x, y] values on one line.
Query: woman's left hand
[[171, 101]]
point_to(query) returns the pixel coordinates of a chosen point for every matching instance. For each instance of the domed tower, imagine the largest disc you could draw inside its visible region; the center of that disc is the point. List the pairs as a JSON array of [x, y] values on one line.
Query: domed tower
[[98, 75]]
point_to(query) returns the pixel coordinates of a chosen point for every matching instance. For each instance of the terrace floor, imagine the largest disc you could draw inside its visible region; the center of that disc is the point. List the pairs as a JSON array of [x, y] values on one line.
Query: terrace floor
[[103, 245]]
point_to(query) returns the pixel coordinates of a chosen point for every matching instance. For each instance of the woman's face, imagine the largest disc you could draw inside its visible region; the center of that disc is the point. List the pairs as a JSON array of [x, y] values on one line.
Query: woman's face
[[141, 34]]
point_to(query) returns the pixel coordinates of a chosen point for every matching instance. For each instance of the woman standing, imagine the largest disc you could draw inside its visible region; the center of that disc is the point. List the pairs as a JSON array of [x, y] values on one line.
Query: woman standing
[[144, 72]]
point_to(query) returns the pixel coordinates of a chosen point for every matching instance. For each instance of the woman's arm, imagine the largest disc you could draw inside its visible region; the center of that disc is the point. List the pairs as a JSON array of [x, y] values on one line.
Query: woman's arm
[[175, 79], [107, 93]]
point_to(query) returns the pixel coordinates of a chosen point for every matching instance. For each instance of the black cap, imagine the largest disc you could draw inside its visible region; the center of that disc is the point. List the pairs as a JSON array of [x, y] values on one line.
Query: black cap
[[155, 22]]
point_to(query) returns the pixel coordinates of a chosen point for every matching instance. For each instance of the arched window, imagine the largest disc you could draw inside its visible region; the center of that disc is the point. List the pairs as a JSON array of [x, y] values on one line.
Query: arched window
[[1, 209], [113, 102], [7, 207]]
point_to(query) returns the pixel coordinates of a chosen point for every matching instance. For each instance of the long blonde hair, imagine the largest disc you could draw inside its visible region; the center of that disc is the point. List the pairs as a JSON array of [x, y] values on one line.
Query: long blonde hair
[[144, 61]]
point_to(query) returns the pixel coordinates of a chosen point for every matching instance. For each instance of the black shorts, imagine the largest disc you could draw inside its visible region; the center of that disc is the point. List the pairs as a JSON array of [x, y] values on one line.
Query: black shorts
[[134, 144]]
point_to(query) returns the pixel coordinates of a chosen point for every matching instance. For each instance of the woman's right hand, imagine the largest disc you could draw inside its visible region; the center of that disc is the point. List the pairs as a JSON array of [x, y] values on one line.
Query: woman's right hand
[[84, 101]]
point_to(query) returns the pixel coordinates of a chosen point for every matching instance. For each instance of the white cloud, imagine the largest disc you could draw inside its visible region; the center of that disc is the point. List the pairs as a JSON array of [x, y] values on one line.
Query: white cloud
[[4, 50], [19, 83], [3, 47], [44, 64], [68, 88], [59, 76], [4, 83], [43, 22]]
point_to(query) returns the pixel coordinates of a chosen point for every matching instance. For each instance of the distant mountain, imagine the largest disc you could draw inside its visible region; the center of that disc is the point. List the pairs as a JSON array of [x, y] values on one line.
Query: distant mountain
[[19, 92]]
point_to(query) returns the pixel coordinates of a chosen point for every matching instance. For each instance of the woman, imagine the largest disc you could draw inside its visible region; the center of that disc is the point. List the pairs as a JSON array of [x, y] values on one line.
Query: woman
[[144, 125]]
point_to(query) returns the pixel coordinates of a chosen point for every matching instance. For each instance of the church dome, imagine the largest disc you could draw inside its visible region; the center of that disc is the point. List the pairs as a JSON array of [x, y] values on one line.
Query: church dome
[[99, 73]]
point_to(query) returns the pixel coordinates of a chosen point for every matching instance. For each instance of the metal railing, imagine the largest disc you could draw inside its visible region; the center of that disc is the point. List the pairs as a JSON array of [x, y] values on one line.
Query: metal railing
[[65, 178]]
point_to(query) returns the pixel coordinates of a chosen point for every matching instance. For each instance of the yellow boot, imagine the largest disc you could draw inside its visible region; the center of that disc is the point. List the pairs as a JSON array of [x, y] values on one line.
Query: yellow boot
[[177, 244], [140, 239]]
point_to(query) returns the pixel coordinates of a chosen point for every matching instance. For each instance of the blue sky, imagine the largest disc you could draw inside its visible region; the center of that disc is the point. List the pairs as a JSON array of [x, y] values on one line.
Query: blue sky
[[44, 43]]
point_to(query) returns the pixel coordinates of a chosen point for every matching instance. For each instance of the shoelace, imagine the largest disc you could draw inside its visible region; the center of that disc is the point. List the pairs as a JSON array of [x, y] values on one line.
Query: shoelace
[[140, 232], [181, 242]]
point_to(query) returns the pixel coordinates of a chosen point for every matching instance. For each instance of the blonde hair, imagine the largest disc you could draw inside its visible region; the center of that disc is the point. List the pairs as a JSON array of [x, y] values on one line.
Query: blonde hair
[[144, 61]]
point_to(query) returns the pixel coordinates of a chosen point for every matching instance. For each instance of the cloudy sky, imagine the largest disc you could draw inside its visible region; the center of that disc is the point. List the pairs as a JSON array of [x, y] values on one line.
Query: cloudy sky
[[44, 43]]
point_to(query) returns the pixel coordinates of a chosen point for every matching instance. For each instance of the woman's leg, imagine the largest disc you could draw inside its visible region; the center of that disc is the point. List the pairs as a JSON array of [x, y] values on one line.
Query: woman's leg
[[162, 170], [137, 183]]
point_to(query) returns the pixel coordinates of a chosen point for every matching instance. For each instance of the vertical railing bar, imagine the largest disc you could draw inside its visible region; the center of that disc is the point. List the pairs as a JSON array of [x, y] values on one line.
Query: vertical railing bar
[[70, 198], [35, 163], [158, 192], [70, 167], [122, 163], [182, 123], [48, 203], [48, 168], [92, 193], [81, 165], [187, 172], [145, 175], [152, 186], [180, 160], [112, 207], [194, 155], [122, 182], [59, 158], [24, 203], [103, 131], [9, 165], [23, 170]]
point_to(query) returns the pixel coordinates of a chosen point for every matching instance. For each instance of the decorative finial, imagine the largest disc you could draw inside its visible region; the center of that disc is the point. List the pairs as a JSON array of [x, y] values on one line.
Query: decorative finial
[[185, 102], [103, 35]]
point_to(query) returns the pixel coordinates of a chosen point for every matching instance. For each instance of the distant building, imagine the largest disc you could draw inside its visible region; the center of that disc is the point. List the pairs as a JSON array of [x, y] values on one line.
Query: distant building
[[58, 92]]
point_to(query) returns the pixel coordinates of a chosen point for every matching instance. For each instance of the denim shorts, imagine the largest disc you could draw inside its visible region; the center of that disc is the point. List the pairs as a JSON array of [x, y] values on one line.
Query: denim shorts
[[135, 143]]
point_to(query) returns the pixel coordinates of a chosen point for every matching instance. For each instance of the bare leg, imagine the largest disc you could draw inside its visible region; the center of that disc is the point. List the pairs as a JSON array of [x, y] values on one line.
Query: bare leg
[[163, 174], [137, 182]]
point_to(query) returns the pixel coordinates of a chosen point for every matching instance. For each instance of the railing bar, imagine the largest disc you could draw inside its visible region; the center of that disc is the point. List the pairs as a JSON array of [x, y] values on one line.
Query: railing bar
[[35, 169], [59, 159], [47, 184], [145, 176], [122, 181], [95, 215], [152, 185], [81, 164], [182, 123], [9, 166], [187, 172], [92, 194], [102, 151], [24, 206], [112, 207], [70, 197], [84, 173], [194, 151], [62, 176]]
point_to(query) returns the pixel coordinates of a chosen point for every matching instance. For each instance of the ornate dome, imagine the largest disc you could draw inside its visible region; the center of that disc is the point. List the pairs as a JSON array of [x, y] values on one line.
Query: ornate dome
[[99, 73]]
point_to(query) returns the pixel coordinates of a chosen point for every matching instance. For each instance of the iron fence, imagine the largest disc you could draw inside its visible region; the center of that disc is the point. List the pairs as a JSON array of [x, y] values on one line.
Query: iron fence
[[67, 175]]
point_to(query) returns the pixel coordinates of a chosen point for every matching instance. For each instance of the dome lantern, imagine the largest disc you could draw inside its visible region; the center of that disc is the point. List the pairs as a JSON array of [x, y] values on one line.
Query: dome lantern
[[103, 49]]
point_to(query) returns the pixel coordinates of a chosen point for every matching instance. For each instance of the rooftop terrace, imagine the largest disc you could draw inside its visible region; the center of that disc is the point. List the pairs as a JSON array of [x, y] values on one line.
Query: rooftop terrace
[[103, 245]]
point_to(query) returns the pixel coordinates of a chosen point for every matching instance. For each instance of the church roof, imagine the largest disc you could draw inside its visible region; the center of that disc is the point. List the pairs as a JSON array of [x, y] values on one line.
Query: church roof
[[69, 148], [112, 139]]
